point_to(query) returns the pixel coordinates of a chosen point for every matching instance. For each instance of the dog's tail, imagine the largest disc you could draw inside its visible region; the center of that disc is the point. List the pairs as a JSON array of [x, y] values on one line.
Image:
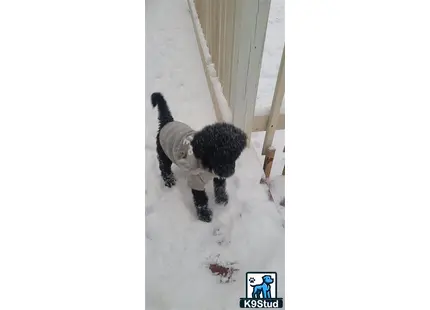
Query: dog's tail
[[164, 115]]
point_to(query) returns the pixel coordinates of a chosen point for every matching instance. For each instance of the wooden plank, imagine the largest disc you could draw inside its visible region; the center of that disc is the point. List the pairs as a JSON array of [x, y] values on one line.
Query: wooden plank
[[221, 44], [260, 123], [201, 15], [208, 34], [198, 4], [215, 27], [249, 31], [230, 12], [200, 43], [204, 18], [275, 109], [268, 161]]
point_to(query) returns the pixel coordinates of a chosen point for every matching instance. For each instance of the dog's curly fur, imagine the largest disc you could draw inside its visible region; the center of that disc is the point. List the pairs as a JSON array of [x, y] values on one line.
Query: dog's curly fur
[[217, 146]]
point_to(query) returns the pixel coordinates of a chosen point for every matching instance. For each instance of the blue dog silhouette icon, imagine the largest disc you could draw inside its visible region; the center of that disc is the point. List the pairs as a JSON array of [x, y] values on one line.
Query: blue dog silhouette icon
[[263, 288]]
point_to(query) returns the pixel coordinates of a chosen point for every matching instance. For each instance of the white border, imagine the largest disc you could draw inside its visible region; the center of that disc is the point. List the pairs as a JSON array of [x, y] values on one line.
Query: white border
[[72, 156], [357, 132]]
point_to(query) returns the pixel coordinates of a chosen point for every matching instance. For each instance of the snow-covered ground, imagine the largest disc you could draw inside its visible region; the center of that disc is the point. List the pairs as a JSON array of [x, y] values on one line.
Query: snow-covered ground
[[246, 235]]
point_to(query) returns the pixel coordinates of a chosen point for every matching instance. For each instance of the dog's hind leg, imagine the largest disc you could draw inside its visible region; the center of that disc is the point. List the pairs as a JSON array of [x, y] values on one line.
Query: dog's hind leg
[[165, 165], [221, 196], [201, 202], [256, 293]]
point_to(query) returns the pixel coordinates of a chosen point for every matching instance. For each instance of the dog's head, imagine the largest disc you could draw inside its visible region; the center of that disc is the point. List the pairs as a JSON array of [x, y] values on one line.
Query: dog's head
[[218, 146], [267, 279]]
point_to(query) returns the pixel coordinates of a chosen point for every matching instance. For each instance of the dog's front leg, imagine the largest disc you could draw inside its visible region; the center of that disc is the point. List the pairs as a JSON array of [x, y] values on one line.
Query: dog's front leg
[[221, 196], [201, 202]]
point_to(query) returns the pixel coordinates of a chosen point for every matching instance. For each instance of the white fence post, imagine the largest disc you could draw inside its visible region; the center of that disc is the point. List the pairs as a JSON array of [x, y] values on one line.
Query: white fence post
[[275, 109], [250, 24]]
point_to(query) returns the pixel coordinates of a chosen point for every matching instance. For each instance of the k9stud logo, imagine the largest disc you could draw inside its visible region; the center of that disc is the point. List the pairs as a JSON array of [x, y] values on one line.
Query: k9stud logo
[[261, 291]]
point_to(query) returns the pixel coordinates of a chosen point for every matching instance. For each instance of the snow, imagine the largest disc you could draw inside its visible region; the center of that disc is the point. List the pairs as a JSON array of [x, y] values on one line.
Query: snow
[[247, 233]]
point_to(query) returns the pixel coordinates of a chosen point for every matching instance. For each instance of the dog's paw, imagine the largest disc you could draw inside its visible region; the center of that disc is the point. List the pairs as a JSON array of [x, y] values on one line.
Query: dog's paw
[[221, 198], [170, 181], [204, 214]]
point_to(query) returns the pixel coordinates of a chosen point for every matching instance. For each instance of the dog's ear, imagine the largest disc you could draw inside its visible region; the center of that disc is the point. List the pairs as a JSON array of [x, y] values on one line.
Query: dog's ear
[[197, 145], [240, 139], [244, 138]]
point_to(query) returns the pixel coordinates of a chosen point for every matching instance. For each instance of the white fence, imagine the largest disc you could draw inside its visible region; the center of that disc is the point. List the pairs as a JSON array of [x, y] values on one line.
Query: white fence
[[231, 35]]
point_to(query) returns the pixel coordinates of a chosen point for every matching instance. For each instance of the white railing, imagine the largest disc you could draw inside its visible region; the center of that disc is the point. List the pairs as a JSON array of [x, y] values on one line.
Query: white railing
[[231, 35], [275, 119]]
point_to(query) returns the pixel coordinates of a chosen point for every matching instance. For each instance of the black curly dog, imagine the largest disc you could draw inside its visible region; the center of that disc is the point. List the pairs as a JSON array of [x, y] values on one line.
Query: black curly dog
[[216, 146]]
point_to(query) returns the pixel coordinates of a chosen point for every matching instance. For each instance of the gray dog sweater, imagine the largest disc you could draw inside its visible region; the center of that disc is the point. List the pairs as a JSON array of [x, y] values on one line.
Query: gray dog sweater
[[175, 139]]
